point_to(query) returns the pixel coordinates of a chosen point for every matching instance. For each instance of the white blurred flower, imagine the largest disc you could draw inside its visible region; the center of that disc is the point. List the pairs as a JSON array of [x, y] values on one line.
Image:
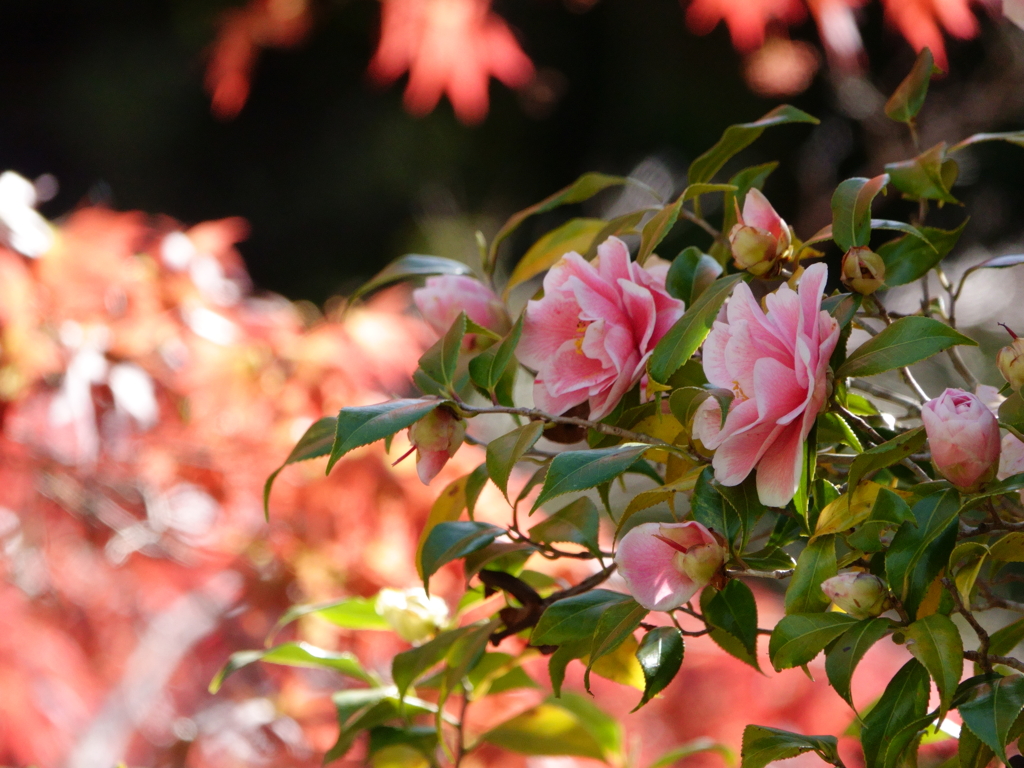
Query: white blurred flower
[[134, 393], [21, 227], [411, 613]]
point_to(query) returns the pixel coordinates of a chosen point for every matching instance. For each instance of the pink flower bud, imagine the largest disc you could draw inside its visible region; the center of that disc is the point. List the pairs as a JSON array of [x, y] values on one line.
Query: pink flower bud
[[761, 239], [859, 594], [443, 297], [436, 437], [666, 564], [863, 270], [1011, 361], [964, 438]]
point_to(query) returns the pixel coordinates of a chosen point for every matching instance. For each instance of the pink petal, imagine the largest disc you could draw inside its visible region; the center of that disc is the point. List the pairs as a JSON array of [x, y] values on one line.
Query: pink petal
[[647, 565], [639, 305], [715, 368], [547, 325], [779, 398], [758, 212], [778, 472], [613, 262], [556, 404], [429, 463]]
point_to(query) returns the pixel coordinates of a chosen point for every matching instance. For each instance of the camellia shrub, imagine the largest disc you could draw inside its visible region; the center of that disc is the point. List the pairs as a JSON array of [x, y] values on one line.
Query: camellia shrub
[[719, 428]]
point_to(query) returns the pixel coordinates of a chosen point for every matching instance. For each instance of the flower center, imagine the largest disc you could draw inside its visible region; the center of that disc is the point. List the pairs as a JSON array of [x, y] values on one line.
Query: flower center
[[738, 391], [581, 330]]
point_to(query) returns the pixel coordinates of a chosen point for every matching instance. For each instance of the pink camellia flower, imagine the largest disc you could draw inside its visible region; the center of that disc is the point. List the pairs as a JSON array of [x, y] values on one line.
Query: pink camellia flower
[[590, 336], [443, 297], [665, 564], [761, 239], [964, 438], [776, 364], [435, 438]]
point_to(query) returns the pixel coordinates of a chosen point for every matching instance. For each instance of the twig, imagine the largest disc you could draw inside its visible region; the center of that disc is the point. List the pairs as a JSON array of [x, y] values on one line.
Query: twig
[[983, 638], [460, 744], [784, 573], [919, 473], [584, 586], [898, 398], [700, 222], [1006, 661]]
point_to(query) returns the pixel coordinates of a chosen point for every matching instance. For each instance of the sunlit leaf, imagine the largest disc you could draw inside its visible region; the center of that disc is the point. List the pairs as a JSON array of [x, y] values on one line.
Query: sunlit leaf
[[294, 655], [660, 655], [935, 642], [365, 424], [451, 540], [575, 235], [851, 210], [763, 745], [579, 470], [894, 722], [816, 563], [907, 341], [408, 267], [799, 637], [314, 443]]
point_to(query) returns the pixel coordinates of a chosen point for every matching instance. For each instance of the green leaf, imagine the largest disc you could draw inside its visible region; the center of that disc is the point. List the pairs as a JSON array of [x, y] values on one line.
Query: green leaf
[[798, 638], [578, 522], [893, 723], [909, 258], [851, 210], [744, 499], [762, 745], [407, 666], [710, 508], [843, 307], [738, 137], [971, 753], [560, 659], [447, 508], [615, 625], [576, 617], [294, 655], [691, 272], [657, 228], [350, 613], [935, 642], [504, 452], [367, 424], [734, 611], [1011, 484], [842, 659], [568, 726], [363, 709], [770, 559], [816, 563], [585, 187], [575, 235], [487, 368], [579, 470], [410, 266], [1011, 137], [689, 332], [439, 362], [964, 565], [450, 541], [660, 655], [1011, 413], [929, 176], [991, 710], [885, 455], [694, 747], [918, 553], [316, 442], [908, 98], [907, 341], [1003, 641]]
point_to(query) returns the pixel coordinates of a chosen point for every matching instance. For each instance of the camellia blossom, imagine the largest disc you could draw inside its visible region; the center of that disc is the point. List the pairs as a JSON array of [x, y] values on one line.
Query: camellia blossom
[[436, 437], [590, 336], [963, 436], [443, 297], [761, 239], [666, 564], [776, 365]]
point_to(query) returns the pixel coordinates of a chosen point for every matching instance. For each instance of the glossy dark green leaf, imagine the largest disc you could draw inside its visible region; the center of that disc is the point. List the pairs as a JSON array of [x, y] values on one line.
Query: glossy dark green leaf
[[842, 659], [440, 361], [504, 452], [575, 618], [660, 655], [798, 638], [909, 258], [744, 499], [738, 137], [971, 752], [908, 98], [733, 610], [559, 660], [710, 509], [689, 332], [418, 740], [314, 443], [769, 559], [294, 655], [585, 187], [578, 522], [367, 424], [411, 266], [691, 272], [575, 235], [907, 341], [763, 745], [1011, 412], [487, 369], [816, 563], [888, 453], [893, 723], [616, 624], [580, 470], [935, 642], [451, 540], [991, 709], [1004, 640], [843, 307], [851, 210], [919, 552]]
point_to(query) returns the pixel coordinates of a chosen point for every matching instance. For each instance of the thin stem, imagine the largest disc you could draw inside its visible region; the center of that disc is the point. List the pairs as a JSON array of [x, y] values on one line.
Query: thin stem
[[460, 744], [699, 221], [983, 638], [887, 394], [584, 586], [919, 473], [1006, 661]]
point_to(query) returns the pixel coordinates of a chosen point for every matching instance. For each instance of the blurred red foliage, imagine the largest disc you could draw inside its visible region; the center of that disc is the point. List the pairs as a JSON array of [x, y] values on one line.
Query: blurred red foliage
[[145, 394]]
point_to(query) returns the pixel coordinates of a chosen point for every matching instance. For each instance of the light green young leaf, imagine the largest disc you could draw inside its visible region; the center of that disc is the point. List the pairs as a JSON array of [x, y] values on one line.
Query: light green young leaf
[[851, 210], [350, 613], [843, 658], [816, 563], [410, 266], [798, 638], [695, 747], [316, 442], [579, 470], [907, 341], [738, 137], [504, 452], [660, 655], [763, 745], [935, 642], [908, 98], [367, 424], [294, 655], [929, 176], [575, 235]]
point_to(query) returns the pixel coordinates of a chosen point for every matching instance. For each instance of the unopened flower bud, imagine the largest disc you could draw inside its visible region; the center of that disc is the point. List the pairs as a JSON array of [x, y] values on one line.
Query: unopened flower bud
[[863, 270], [1011, 361], [964, 438], [760, 240], [436, 437], [859, 594], [411, 613], [702, 562]]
